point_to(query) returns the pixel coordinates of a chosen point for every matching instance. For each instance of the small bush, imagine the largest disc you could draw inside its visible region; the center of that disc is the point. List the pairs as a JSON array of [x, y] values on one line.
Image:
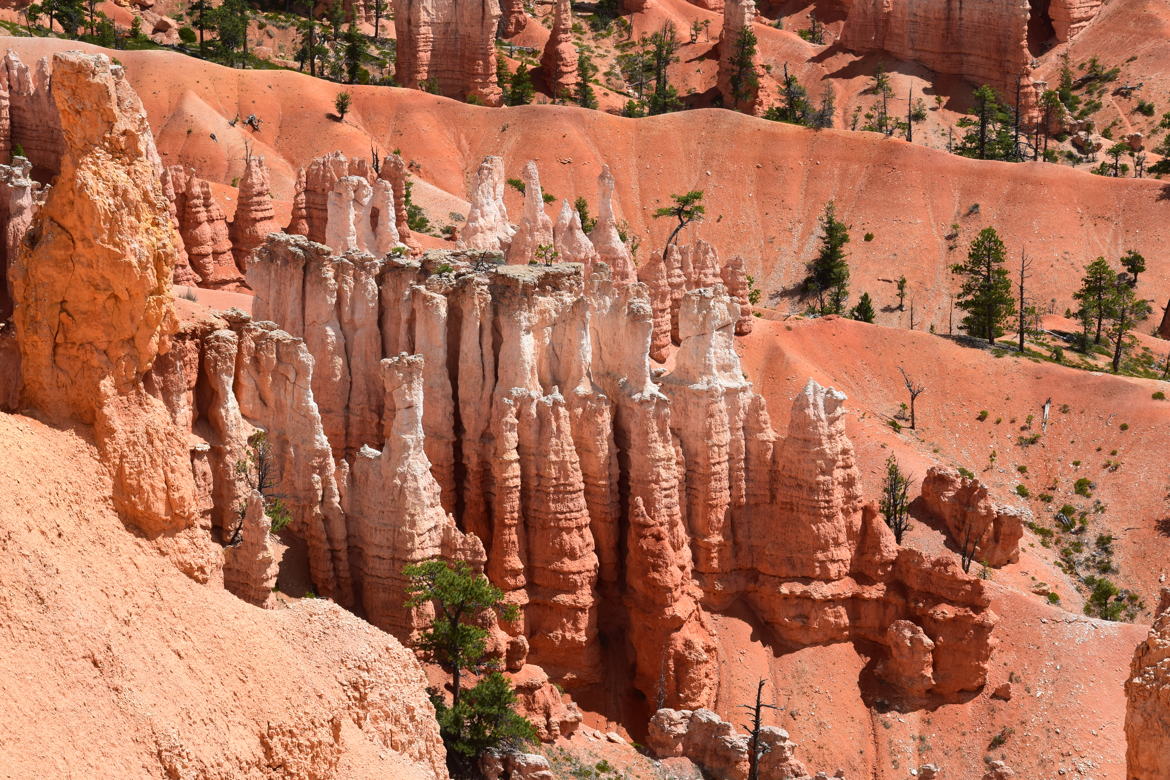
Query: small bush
[[1022, 468], [1053, 598], [1022, 491], [1159, 396], [1125, 426], [1084, 487], [1001, 738], [868, 237], [966, 473], [982, 415]]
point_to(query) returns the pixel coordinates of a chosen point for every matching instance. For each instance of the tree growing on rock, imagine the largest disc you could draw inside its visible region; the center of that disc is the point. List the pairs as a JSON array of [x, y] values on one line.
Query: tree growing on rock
[[895, 500], [744, 80], [828, 272], [483, 717], [986, 294], [687, 208]]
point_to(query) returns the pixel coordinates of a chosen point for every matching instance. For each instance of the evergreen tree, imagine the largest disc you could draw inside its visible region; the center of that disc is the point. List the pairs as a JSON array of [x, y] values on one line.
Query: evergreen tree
[[989, 129], [687, 208], [1094, 297], [484, 716], [231, 27], [355, 51], [795, 108], [1134, 263], [1126, 310], [863, 311], [744, 80], [582, 206], [895, 500], [828, 273], [341, 104], [520, 87], [200, 12], [663, 46], [986, 294], [586, 98], [823, 118]]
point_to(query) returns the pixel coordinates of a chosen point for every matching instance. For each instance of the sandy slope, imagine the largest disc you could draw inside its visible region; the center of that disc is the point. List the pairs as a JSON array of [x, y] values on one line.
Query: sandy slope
[[765, 183], [113, 664]]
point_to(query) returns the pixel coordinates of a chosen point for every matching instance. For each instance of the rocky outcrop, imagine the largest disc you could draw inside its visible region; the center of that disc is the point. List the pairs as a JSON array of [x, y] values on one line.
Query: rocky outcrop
[[551, 712], [1069, 17], [249, 566], [514, 18], [487, 227], [965, 508], [569, 239], [393, 504], [92, 286], [611, 249], [515, 766], [608, 498], [255, 217], [1147, 693], [719, 749], [361, 217], [449, 48], [533, 239], [34, 121], [986, 42], [736, 280], [20, 199], [559, 59], [183, 273], [204, 230], [394, 171], [739, 92], [310, 213]]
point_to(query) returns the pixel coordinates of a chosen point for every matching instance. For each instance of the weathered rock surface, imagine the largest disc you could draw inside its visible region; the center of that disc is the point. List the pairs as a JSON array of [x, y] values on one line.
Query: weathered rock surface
[[569, 239], [92, 282], [394, 171], [535, 229], [449, 46], [514, 18], [204, 230], [1147, 692], [310, 213], [606, 239], [255, 217], [719, 749], [965, 507], [20, 199], [34, 119], [559, 59], [361, 216], [487, 227], [249, 566]]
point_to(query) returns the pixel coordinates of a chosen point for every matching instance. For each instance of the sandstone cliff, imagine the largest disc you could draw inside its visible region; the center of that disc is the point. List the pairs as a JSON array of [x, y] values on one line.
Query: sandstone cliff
[[93, 282], [254, 217], [1147, 715], [449, 47]]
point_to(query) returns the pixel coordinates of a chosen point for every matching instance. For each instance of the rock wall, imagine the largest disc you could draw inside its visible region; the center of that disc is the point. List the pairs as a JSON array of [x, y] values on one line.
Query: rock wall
[[719, 749], [20, 199], [34, 124], [970, 516], [204, 230], [738, 15], [985, 42], [448, 47], [1069, 17], [559, 59], [487, 227], [1147, 692], [93, 283], [607, 499]]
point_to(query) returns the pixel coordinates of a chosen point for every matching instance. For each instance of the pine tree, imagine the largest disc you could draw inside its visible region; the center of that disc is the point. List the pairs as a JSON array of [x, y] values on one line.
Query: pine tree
[[863, 311], [895, 499], [484, 716], [1094, 298], [586, 98], [663, 46], [986, 294], [990, 129], [355, 52], [520, 87], [687, 208], [1126, 310], [1134, 263], [744, 80], [795, 108], [828, 273]]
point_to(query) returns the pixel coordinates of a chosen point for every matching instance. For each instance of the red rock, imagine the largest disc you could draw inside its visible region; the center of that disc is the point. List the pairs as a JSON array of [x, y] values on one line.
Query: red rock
[[737, 16], [254, 217], [559, 60], [20, 199], [249, 567], [449, 47], [1147, 693], [204, 230], [535, 229], [966, 509], [394, 171]]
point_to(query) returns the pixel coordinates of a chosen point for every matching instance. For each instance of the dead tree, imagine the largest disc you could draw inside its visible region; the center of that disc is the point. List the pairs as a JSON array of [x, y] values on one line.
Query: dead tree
[[1025, 266], [967, 546], [755, 751], [915, 390]]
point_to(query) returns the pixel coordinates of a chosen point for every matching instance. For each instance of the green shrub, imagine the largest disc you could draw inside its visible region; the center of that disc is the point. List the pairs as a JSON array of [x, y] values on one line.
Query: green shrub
[[1159, 396], [1084, 487], [1022, 491], [982, 415], [1124, 426]]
